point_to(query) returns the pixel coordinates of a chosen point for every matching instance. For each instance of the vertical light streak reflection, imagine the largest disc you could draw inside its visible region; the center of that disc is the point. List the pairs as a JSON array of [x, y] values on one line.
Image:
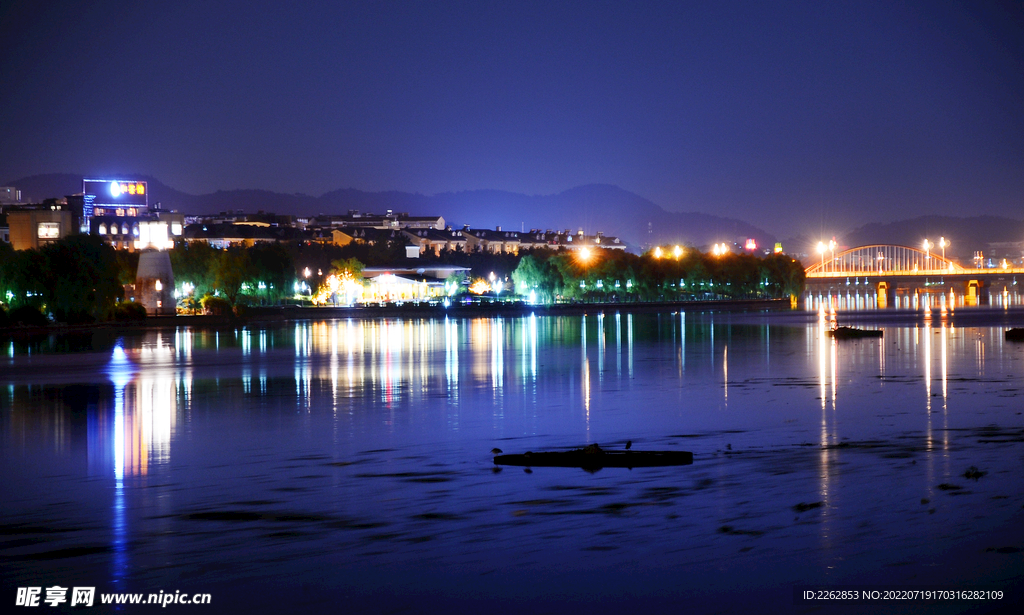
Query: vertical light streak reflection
[[524, 352], [618, 344], [334, 372], [945, 401], [682, 344], [533, 349], [725, 373], [826, 353], [585, 372], [600, 347], [497, 355], [120, 372], [183, 342], [834, 355], [451, 358], [928, 433], [629, 344]]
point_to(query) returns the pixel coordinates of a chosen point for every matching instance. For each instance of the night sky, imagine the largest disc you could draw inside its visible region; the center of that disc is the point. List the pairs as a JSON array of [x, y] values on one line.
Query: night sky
[[795, 116]]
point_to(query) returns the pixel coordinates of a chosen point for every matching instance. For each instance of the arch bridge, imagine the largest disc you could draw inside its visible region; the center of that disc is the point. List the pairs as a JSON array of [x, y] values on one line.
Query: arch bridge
[[900, 275], [882, 260]]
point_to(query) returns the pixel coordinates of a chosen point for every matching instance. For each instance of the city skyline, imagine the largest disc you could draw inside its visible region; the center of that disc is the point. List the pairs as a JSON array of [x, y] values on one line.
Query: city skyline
[[798, 118]]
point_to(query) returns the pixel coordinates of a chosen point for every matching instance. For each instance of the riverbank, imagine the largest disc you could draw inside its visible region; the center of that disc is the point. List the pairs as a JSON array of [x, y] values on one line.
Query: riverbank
[[778, 309], [272, 314]]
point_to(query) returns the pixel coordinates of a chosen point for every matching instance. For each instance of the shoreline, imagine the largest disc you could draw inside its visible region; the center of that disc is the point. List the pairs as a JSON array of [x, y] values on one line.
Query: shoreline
[[777, 309], [272, 314]]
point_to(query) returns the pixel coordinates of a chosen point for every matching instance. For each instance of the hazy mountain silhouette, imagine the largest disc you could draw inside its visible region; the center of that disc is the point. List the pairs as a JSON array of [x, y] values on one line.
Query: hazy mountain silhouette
[[594, 208], [964, 234]]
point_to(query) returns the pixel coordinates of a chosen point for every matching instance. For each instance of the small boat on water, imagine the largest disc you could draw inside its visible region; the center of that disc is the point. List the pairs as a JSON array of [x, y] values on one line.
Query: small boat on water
[[850, 333], [1015, 335], [594, 457]]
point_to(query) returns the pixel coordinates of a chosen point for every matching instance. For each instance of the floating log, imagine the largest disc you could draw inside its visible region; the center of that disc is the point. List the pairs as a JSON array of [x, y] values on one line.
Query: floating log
[[595, 458], [1015, 335], [849, 333]]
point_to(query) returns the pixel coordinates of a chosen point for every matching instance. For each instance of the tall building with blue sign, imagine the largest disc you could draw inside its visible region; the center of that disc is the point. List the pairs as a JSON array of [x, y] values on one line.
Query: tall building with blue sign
[[118, 210]]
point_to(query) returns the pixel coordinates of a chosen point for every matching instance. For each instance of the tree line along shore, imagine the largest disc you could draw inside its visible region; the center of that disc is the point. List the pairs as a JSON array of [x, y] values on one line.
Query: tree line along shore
[[80, 280]]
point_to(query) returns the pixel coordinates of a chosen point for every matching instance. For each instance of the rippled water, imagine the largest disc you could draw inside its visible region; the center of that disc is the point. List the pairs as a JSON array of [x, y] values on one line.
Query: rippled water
[[346, 464]]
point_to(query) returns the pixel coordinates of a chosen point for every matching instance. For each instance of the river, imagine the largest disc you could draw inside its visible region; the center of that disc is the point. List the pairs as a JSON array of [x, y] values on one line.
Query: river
[[346, 464]]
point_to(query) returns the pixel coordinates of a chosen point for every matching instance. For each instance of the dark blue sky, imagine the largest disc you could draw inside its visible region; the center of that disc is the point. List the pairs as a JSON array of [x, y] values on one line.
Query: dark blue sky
[[800, 117]]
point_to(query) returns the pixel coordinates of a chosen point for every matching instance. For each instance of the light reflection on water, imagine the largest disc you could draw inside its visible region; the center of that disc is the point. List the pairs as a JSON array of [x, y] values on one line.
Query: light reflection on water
[[1001, 295], [269, 437]]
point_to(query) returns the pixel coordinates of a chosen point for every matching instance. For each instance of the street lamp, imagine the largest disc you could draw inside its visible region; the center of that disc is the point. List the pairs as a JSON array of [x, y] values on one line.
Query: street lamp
[[942, 244], [927, 255], [584, 256]]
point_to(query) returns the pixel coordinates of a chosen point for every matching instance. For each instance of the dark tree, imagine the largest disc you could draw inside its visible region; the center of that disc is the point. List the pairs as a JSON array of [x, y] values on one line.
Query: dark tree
[[81, 278]]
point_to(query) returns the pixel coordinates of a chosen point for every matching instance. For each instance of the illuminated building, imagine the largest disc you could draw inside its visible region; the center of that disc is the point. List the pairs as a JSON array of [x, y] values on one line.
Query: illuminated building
[[118, 211], [34, 228], [154, 283]]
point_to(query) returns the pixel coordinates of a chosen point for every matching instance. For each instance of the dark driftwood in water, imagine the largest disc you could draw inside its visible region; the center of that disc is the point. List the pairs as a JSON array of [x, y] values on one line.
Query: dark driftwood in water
[[847, 333], [595, 460], [1015, 335]]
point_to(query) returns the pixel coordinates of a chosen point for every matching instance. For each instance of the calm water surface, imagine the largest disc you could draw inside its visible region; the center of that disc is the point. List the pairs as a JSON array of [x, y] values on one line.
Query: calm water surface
[[346, 464]]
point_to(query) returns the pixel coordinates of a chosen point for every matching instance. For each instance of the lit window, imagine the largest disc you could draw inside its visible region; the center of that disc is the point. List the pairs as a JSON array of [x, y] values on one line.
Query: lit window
[[49, 230], [103, 229]]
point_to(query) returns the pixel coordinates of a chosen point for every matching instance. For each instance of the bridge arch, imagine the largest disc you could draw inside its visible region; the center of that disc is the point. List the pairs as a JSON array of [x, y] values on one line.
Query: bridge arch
[[880, 259]]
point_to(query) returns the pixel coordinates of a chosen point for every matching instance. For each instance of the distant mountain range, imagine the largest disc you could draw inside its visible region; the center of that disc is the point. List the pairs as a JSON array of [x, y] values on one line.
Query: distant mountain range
[[595, 207]]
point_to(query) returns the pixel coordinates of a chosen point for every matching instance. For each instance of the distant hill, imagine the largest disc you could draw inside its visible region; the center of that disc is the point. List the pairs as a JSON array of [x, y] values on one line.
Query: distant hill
[[594, 208], [964, 234]]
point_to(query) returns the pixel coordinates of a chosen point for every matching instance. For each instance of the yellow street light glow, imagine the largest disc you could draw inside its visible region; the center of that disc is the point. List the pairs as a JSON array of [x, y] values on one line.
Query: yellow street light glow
[[678, 251], [657, 252], [479, 286], [584, 254]]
